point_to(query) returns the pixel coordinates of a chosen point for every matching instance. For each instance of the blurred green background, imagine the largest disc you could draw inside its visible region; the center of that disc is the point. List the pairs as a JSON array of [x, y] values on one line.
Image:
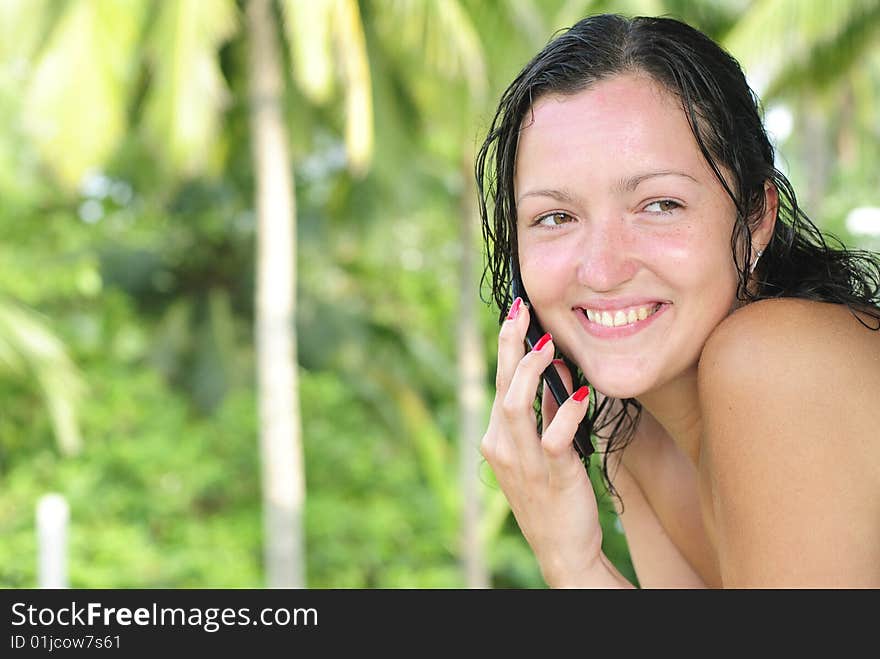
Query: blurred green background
[[128, 272]]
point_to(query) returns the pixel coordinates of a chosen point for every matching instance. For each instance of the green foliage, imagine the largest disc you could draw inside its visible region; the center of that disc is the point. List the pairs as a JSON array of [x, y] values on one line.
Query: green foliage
[[157, 496], [371, 521]]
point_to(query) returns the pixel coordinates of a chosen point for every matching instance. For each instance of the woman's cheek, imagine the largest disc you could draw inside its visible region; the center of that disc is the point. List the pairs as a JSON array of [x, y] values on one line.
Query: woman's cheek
[[543, 268], [686, 256]]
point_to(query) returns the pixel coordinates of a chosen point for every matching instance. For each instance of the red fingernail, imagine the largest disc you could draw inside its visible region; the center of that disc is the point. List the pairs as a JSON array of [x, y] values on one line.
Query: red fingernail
[[581, 393], [542, 342], [559, 362], [514, 309]]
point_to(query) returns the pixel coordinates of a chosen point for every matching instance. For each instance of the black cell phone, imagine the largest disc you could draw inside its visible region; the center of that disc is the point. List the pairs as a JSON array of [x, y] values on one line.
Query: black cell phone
[[582, 442]]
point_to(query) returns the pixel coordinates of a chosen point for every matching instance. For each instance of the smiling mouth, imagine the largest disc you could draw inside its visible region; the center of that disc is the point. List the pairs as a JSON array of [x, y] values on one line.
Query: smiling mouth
[[621, 317]]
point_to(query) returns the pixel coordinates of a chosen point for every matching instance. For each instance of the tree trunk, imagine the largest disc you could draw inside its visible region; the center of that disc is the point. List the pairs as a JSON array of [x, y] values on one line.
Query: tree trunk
[[283, 478], [471, 387]]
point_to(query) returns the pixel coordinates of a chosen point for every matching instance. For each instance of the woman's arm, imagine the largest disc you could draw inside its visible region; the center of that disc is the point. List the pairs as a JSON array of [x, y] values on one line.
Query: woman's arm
[[657, 560], [661, 516]]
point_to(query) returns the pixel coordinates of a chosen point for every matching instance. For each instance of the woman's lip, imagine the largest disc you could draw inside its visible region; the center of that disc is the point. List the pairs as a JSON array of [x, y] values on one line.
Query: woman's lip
[[622, 303], [602, 332]]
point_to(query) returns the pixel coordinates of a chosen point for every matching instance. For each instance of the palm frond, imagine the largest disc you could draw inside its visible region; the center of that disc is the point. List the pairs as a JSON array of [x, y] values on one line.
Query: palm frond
[[831, 59], [21, 26], [350, 43], [308, 28], [429, 443], [74, 105], [29, 350], [443, 34], [326, 42], [188, 92], [775, 39]]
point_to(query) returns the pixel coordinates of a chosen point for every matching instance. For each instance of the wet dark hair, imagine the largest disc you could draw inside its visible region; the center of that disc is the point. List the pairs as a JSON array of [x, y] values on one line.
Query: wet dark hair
[[724, 116]]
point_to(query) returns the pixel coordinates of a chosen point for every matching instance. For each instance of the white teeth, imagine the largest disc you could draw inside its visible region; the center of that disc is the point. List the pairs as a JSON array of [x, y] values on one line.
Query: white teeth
[[620, 317]]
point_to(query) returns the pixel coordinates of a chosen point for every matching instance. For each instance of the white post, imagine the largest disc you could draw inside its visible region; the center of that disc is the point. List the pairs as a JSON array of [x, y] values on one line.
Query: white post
[[53, 515]]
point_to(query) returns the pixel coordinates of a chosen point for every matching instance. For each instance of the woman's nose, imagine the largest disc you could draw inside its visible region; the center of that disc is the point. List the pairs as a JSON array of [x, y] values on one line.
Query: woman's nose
[[607, 256]]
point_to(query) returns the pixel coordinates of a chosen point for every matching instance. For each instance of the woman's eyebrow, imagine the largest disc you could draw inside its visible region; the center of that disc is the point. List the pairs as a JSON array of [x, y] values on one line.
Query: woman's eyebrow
[[632, 182], [563, 196]]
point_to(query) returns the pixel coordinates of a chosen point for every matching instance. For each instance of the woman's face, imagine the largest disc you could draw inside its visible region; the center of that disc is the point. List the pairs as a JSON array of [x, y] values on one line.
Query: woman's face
[[621, 222]]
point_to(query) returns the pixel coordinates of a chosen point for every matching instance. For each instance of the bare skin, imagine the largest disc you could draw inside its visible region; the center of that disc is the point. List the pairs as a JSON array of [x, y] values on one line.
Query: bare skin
[[759, 438]]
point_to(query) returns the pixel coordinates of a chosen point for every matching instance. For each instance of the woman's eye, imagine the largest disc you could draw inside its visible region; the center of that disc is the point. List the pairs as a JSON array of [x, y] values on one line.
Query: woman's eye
[[662, 206], [553, 219]]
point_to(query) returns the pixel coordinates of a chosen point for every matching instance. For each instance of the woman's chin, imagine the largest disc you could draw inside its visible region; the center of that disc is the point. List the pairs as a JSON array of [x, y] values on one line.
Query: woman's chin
[[617, 388]]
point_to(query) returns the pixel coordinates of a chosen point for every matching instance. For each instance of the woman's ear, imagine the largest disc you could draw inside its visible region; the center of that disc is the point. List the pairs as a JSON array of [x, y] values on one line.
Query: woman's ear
[[763, 230]]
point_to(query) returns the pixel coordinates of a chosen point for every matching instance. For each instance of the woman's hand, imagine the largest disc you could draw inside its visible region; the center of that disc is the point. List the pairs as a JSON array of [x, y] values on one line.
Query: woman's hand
[[543, 478]]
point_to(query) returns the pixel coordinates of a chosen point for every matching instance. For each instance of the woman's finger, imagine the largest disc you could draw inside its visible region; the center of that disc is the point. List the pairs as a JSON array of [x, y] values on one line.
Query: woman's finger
[[511, 345], [548, 402], [511, 348], [518, 403], [558, 437]]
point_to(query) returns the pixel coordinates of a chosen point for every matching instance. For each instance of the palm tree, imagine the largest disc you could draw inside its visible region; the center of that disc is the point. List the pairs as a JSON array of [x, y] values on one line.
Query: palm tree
[[81, 82]]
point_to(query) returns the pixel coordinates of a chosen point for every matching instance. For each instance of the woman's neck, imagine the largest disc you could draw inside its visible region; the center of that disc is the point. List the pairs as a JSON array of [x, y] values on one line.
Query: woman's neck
[[676, 407]]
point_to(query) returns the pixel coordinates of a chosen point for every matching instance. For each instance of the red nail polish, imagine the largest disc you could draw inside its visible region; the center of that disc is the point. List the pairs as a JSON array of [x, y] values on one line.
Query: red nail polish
[[544, 340], [514, 309], [581, 393]]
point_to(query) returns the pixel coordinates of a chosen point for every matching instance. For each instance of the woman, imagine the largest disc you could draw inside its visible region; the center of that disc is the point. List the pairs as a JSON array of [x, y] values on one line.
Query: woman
[[628, 180]]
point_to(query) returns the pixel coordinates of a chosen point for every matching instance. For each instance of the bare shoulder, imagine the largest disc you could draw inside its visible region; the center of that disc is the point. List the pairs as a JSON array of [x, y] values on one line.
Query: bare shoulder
[[786, 341], [788, 390]]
